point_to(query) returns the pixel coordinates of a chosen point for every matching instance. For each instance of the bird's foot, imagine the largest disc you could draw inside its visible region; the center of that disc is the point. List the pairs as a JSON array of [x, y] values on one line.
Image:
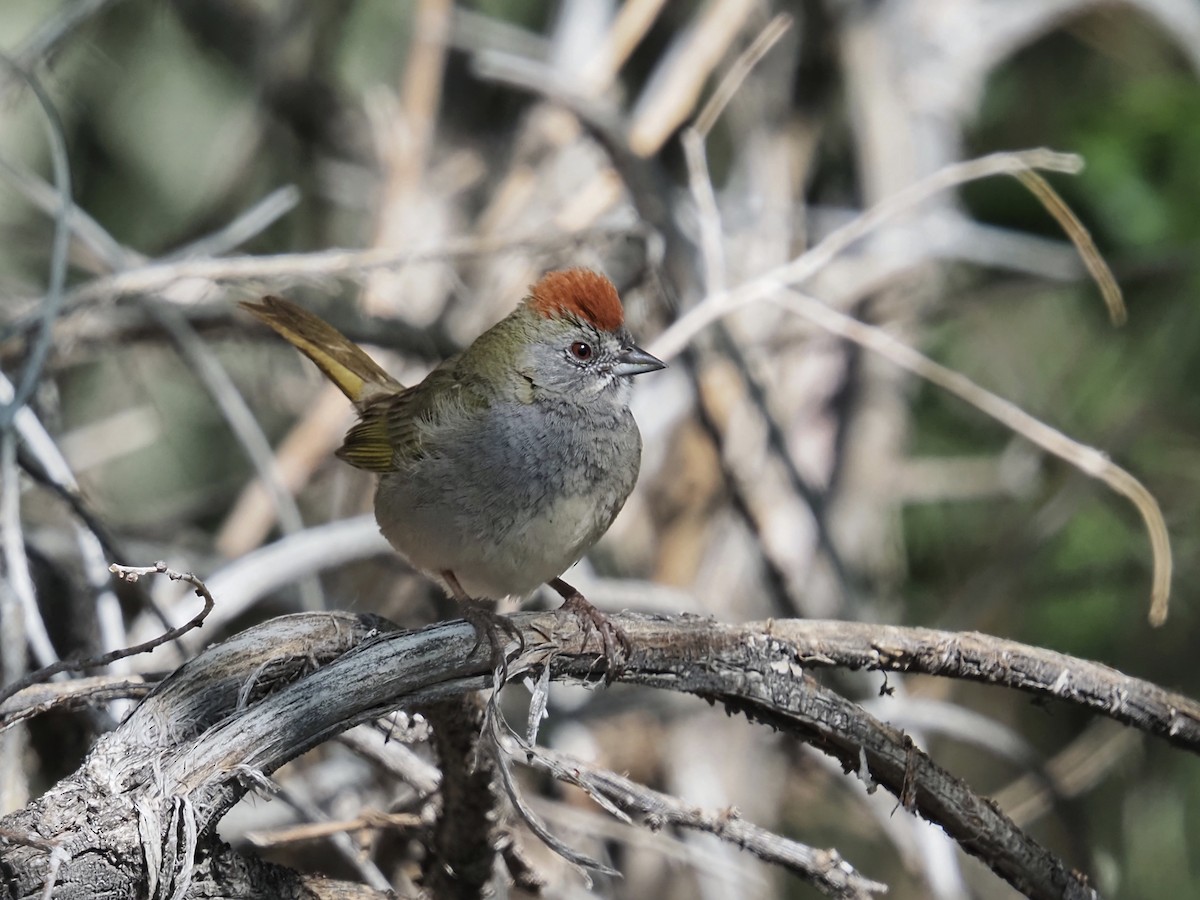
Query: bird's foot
[[488, 625], [494, 628], [616, 643]]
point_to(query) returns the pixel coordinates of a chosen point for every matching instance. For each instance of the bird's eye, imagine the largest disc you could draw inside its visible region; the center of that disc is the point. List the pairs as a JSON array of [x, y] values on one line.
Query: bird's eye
[[581, 351]]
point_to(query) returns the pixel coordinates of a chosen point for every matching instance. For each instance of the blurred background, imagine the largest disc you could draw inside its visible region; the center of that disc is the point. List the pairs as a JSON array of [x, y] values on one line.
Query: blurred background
[[455, 151]]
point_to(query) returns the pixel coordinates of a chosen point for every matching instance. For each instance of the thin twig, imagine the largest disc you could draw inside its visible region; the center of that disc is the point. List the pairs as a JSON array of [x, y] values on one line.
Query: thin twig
[[129, 573], [203, 363], [57, 473], [246, 580], [318, 824], [633, 20], [712, 245], [1082, 239], [824, 869], [738, 72], [16, 563], [776, 282], [39, 349], [41, 44], [84, 228], [76, 693], [1077, 768], [583, 863], [246, 226], [794, 273], [369, 820], [672, 91], [158, 276], [1087, 459]]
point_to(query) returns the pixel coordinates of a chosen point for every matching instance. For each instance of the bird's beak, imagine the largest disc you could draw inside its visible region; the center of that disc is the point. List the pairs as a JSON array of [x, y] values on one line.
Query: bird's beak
[[636, 361]]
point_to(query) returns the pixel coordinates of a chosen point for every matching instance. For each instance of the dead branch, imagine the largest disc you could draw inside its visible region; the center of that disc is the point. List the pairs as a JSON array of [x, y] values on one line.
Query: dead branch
[[144, 807]]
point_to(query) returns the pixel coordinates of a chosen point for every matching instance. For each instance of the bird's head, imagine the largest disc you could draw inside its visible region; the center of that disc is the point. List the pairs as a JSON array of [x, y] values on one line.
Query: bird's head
[[575, 342]]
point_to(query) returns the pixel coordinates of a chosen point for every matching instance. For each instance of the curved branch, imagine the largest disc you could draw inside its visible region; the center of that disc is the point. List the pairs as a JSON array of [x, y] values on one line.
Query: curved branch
[[213, 729]]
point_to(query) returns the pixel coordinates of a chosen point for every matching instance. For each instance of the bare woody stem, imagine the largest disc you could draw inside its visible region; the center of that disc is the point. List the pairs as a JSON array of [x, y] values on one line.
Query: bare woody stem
[[244, 707]]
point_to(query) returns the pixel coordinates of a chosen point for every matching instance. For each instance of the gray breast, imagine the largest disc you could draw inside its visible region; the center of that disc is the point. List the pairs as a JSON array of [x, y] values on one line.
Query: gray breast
[[540, 452]]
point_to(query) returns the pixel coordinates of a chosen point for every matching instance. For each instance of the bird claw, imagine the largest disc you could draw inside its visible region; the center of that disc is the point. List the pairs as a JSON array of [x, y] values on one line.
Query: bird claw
[[616, 643], [488, 625]]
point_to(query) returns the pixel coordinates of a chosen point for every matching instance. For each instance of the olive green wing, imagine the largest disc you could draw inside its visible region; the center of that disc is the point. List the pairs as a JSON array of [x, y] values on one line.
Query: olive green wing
[[394, 431]]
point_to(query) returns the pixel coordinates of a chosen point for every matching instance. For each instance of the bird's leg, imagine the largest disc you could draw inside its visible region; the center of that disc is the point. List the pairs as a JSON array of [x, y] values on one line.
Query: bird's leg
[[616, 642], [487, 623]]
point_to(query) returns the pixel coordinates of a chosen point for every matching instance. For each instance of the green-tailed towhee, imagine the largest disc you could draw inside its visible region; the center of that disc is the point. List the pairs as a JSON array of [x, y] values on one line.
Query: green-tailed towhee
[[512, 458]]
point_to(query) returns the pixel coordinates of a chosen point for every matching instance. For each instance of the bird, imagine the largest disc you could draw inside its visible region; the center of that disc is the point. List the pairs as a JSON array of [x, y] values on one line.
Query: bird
[[509, 460]]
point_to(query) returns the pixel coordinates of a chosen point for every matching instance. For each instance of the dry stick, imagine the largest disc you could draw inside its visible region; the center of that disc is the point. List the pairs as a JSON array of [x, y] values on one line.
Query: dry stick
[[1087, 459], [39, 348], [57, 472], [693, 138], [991, 660], [672, 845], [213, 377], [634, 19], [393, 756], [161, 275], [343, 844], [776, 281], [97, 543], [1082, 239], [207, 367], [714, 307], [19, 581], [712, 247], [583, 863], [825, 869], [116, 257], [13, 630], [371, 820], [201, 738], [672, 92], [245, 226], [739, 71], [77, 693], [129, 573], [403, 143], [83, 227], [1074, 770]]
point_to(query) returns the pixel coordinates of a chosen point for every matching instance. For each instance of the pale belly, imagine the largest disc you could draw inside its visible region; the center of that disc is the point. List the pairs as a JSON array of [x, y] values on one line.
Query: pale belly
[[507, 515], [493, 563]]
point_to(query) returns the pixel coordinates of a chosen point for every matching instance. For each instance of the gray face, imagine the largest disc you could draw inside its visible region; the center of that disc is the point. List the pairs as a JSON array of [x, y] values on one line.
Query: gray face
[[582, 362]]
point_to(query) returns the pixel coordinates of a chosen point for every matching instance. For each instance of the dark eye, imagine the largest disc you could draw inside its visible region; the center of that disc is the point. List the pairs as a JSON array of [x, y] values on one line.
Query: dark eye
[[581, 351]]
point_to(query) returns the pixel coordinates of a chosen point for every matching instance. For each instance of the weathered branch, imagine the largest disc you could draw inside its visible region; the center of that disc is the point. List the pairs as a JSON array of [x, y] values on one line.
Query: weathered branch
[[144, 806], [462, 852]]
